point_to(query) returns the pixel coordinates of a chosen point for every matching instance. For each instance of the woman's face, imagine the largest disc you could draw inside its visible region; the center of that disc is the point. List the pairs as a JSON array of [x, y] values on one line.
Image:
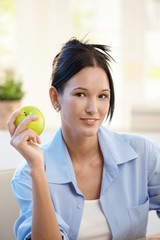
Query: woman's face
[[84, 102]]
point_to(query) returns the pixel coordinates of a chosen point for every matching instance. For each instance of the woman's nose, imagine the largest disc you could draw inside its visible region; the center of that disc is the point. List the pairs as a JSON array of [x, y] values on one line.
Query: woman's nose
[[91, 107]]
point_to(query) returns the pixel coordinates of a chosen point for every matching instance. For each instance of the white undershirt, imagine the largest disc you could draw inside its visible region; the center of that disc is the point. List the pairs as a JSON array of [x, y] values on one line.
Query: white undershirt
[[94, 225]]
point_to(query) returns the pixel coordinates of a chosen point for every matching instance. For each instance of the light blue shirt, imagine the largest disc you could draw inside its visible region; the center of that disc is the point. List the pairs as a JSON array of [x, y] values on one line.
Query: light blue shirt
[[130, 186]]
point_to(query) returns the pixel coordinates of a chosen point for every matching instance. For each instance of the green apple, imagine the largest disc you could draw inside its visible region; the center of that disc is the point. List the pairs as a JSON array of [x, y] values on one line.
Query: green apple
[[38, 125]]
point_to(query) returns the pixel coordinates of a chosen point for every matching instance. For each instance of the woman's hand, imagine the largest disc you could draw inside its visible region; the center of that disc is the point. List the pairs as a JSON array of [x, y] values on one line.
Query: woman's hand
[[25, 140]]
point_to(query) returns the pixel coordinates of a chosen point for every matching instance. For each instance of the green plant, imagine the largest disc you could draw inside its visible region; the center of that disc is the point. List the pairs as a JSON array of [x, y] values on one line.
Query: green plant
[[10, 88]]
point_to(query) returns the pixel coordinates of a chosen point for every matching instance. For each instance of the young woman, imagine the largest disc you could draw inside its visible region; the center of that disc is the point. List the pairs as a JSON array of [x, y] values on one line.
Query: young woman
[[88, 182]]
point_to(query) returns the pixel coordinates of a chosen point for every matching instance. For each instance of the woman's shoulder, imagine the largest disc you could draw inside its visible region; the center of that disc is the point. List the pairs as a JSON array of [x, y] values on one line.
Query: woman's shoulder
[[135, 140], [22, 171]]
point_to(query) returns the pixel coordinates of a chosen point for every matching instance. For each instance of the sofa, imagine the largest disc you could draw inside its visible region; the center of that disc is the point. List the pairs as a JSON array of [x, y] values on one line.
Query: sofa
[[9, 209]]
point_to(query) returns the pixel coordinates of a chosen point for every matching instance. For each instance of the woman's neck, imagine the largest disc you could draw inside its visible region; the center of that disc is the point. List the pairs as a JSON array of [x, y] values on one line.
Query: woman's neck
[[82, 149]]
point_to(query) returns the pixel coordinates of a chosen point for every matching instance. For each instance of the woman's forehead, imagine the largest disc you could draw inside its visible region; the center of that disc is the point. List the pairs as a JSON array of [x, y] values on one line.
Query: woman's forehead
[[89, 77]]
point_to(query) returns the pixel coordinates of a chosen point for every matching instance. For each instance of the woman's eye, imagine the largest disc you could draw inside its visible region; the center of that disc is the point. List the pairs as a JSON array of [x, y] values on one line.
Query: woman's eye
[[103, 96], [80, 94]]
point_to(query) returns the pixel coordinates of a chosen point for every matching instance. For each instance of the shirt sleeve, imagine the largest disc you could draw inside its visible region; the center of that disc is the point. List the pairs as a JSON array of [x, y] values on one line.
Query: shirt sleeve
[[22, 189], [154, 178]]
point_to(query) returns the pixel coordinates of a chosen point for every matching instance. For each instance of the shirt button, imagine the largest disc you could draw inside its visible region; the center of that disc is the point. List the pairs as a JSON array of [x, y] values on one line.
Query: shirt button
[[79, 206]]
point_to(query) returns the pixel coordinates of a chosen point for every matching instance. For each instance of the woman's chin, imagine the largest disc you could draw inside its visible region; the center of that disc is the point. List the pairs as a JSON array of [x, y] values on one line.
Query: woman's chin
[[89, 132]]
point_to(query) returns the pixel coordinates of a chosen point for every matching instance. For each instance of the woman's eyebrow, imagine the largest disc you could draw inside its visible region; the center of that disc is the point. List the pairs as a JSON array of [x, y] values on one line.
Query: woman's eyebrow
[[106, 90], [81, 88]]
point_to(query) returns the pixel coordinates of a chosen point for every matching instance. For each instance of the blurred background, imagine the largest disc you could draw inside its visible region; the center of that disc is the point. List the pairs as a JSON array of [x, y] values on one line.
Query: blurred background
[[33, 31]]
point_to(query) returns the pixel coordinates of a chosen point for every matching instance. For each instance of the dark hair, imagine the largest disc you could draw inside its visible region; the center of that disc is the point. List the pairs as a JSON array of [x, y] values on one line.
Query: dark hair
[[74, 56]]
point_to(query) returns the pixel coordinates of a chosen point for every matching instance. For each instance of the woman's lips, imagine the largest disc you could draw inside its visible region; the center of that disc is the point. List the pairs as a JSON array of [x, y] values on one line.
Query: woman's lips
[[89, 121]]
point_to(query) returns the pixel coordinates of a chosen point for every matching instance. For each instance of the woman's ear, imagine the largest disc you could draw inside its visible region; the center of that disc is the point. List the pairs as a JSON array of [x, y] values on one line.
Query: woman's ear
[[53, 93]]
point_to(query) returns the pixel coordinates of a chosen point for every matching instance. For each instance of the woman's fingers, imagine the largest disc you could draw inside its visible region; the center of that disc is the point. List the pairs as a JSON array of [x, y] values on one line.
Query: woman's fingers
[[11, 120], [20, 141], [23, 125]]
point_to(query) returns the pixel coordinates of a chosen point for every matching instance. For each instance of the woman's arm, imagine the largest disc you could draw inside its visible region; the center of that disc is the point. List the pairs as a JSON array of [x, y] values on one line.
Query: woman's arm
[[44, 222], [26, 141]]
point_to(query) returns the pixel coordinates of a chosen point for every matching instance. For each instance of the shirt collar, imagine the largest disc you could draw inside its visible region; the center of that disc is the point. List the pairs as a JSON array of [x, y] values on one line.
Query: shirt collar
[[58, 164], [114, 147], [115, 151], [59, 168]]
